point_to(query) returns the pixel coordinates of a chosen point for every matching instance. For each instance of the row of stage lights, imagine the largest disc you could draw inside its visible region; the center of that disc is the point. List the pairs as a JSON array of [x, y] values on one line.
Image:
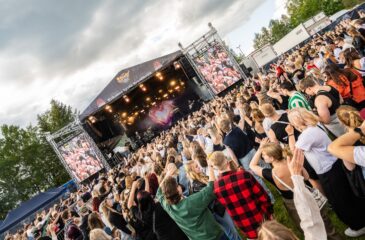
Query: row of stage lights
[[174, 87]]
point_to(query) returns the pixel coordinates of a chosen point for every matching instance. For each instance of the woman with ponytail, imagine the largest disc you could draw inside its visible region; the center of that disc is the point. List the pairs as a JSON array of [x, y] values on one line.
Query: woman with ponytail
[[279, 176]]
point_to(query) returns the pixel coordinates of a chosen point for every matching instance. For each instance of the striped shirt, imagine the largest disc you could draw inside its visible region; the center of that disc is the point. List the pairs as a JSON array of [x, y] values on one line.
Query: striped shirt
[[298, 100]]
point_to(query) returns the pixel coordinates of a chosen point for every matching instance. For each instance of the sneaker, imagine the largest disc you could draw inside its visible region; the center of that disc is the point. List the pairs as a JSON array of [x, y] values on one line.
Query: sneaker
[[352, 233]]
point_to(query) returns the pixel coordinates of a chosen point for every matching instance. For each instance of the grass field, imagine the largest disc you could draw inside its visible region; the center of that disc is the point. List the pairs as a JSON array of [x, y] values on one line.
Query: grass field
[[282, 216]]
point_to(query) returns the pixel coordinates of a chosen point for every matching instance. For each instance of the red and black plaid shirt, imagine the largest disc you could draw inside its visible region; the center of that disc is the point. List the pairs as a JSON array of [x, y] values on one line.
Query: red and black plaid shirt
[[245, 200]]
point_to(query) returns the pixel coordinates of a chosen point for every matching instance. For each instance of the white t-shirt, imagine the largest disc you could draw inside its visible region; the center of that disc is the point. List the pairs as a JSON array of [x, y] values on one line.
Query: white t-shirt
[[359, 157], [314, 142], [266, 124]]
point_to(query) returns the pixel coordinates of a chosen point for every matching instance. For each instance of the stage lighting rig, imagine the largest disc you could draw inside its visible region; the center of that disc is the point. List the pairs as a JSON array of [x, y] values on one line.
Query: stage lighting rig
[[177, 65]]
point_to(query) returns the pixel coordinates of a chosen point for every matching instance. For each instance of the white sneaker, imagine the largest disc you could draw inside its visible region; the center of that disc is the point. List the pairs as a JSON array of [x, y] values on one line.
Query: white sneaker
[[352, 233]]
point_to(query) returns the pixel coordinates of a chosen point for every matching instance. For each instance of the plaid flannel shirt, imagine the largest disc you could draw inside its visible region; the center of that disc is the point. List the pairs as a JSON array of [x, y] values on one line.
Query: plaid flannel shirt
[[245, 200]]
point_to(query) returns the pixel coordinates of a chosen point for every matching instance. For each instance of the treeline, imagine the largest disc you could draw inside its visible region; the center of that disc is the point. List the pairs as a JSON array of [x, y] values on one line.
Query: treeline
[[28, 164], [299, 11]]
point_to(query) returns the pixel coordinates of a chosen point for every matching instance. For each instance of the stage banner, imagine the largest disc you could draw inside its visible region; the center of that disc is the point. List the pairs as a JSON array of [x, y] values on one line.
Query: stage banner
[[80, 158]]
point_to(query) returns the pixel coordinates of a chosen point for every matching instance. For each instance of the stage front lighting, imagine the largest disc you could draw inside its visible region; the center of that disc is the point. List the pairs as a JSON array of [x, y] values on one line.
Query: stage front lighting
[[158, 74], [170, 90], [126, 99], [165, 95], [160, 91], [177, 65], [177, 88], [182, 83], [92, 119], [160, 77], [154, 103], [124, 114], [144, 89], [108, 108], [148, 99], [172, 83]]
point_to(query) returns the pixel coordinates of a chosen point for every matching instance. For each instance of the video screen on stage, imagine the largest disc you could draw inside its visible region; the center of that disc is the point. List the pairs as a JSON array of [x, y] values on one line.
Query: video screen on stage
[[217, 68], [80, 157]]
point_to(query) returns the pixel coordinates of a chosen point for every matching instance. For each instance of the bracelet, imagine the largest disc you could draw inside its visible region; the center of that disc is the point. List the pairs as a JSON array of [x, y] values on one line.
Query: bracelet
[[291, 135]]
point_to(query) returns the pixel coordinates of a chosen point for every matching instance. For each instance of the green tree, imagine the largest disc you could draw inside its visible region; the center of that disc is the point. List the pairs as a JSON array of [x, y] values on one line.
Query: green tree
[[28, 164]]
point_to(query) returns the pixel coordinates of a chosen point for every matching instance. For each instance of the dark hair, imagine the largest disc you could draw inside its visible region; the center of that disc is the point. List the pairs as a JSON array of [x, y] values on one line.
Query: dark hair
[[350, 55], [145, 204], [94, 221], [335, 73], [287, 86], [170, 191]]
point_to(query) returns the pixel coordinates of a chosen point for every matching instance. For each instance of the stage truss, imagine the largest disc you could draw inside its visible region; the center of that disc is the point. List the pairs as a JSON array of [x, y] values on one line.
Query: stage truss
[[202, 45], [64, 135]]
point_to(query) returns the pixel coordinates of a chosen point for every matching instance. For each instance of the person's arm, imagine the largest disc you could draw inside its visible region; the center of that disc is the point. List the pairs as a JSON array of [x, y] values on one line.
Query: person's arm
[[254, 164], [232, 155], [147, 184], [309, 213], [132, 195], [343, 147], [271, 135], [322, 109], [290, 131]]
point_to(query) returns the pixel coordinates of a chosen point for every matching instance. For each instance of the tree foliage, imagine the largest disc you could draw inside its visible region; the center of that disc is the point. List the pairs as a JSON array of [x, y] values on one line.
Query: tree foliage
[[299, 11], [28, 164]]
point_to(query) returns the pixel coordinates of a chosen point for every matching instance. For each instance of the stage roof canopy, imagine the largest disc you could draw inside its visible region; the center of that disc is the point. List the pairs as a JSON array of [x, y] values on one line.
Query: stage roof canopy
[[126, 79]]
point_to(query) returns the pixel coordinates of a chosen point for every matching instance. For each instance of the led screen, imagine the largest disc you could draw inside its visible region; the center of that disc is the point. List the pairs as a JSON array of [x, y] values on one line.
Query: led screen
[[80, 157], [217, 68]]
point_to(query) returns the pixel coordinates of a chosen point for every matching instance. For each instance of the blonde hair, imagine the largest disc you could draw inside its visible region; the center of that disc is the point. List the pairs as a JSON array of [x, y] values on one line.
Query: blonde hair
[[267, 109], [218, 159], [99, 234], [301, 117], [350, 117], [272, 230], [192, 175], [273, 150], [257, 115]]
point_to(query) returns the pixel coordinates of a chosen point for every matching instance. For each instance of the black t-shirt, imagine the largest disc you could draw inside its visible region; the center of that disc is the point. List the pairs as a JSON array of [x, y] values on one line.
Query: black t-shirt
[[239, 142], [164, 227], [118, 221], [267, 174], [279, 126], [142, 226]]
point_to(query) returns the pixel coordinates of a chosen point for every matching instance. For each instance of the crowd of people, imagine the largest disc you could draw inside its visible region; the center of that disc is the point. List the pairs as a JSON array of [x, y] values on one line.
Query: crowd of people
[[299, 127]]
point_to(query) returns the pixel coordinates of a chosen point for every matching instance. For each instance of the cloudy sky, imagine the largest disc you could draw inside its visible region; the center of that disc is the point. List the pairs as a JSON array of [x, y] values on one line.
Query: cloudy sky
[[69, 50]]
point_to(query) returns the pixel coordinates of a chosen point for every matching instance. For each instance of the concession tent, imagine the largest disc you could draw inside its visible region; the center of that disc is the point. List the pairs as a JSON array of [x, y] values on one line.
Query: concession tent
[[126, 79], [28, 208]]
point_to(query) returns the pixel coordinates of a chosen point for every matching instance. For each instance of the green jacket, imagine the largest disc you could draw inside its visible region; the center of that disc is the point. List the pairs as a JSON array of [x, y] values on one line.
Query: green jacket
[[193, 216]]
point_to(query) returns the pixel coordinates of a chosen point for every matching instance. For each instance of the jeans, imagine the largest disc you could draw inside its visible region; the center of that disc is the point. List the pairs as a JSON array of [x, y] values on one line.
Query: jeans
[[228, 226], [245, 163]]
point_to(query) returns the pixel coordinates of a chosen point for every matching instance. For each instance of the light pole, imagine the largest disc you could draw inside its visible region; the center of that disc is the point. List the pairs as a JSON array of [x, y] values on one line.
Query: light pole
[[239, 47]]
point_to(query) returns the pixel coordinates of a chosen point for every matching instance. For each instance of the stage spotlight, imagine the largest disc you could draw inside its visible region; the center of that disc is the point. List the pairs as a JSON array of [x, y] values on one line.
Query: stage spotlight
[[170, 90], [126, 99], [177, 88], [160, 77], [148, 99], [160, 91], [154, 103], [177, 65], [142, 111], [182, 83], [92, 119], [124, 114], [165, 95], [108, 108], [143, 87], [136, 114], [158, 74], [172, 83]]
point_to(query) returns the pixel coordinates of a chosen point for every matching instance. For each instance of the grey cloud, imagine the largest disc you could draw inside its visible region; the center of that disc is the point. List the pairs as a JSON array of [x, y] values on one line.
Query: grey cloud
[[53, 40]]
